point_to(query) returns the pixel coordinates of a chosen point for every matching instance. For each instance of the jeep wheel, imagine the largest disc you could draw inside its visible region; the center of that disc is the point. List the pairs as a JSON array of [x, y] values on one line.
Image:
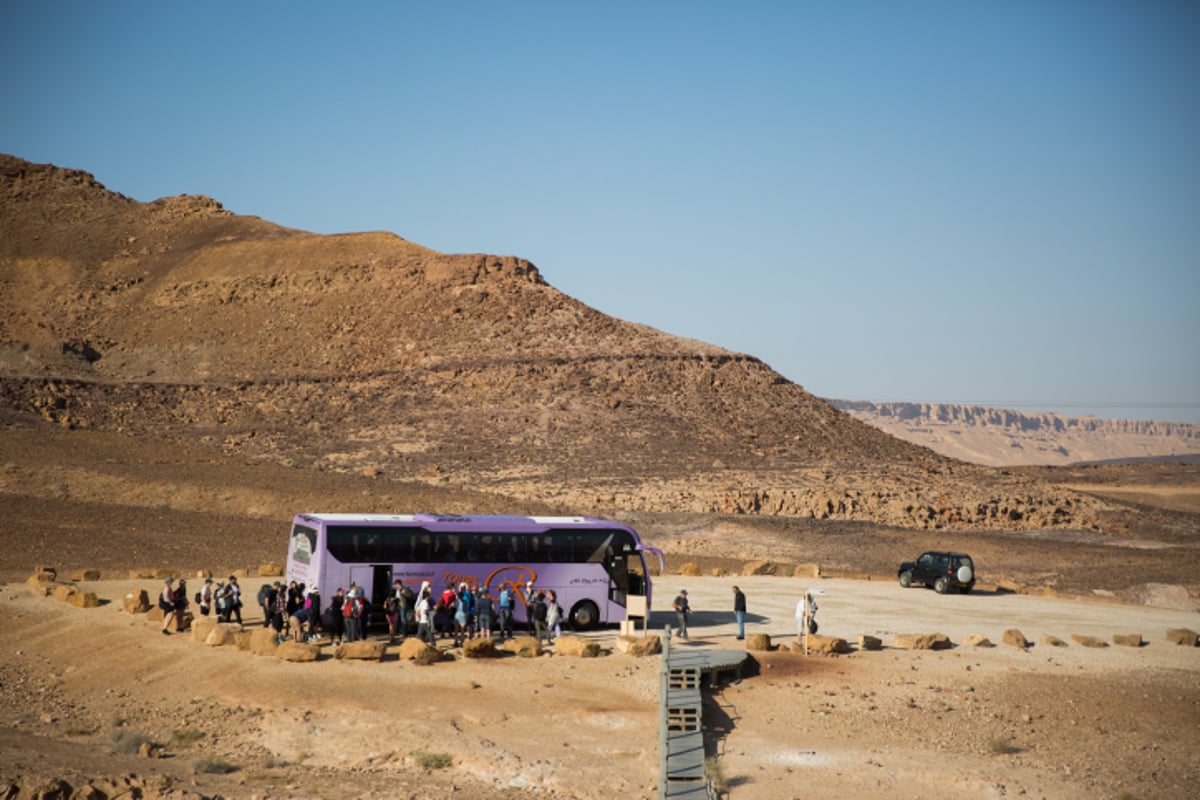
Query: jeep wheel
[[906, 579], [941, 585]]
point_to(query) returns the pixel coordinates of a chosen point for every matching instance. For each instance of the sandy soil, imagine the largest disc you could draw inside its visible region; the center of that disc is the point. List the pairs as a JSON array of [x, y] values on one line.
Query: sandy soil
[[1056, 722]]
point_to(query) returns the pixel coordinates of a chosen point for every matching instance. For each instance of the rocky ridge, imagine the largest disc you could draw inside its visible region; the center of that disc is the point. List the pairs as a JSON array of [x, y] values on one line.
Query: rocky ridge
[[1004, 437], [367, 353]]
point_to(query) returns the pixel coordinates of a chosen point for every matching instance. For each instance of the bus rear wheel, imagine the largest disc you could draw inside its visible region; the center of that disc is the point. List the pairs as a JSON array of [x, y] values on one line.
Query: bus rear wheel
[[584, 615]]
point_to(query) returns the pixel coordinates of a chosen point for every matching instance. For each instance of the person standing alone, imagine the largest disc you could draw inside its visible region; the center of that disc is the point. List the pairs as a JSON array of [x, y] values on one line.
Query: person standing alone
[[739, 611], [681, 612]]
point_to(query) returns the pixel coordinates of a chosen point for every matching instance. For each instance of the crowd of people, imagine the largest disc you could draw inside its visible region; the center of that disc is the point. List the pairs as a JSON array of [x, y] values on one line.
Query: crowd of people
[[296, 612]]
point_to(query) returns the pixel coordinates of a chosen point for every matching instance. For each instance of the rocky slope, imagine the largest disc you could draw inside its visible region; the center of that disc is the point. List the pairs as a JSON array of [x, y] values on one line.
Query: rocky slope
[[178, 320], [1003, 437]]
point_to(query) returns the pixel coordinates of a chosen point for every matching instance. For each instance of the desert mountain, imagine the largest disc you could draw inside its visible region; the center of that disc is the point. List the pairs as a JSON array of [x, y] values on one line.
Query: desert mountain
[[1002, 437], [176, 320]]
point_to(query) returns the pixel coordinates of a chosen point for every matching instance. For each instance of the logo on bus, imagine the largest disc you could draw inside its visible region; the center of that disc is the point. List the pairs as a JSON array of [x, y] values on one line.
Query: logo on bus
[[511, 576]]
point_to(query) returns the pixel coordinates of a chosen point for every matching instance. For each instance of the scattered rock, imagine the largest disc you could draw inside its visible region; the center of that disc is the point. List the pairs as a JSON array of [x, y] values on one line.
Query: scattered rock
[[479, 648], [923, 641], [262, 642], [1184, 636], [1053, 641], [1088, 641], [823, 645], [524, 646], [978, 640], [361, 650], [866, 642], [576, 646], [1015, 638], [759, 641], [84, 599], [299, 651], [136, 602], [1128, 639], [413, 649], [639, 645], [222, 634]]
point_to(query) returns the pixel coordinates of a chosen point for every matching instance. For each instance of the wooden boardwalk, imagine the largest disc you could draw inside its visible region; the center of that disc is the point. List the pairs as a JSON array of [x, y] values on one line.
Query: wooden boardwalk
[[680, 727]]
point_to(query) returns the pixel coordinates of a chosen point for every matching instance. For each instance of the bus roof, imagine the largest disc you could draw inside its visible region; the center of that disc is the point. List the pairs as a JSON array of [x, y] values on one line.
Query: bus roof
[[456, 522]]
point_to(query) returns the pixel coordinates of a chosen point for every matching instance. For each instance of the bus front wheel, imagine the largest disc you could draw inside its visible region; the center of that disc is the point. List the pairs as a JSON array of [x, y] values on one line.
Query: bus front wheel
[[584, 615]]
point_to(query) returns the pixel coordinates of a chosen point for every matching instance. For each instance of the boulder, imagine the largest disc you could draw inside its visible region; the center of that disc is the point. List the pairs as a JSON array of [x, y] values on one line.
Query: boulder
[[84, 600], [413, 649], [823, 645], [43, 572], [524, 646], [1184, 636], [1053, 641], [361, 650], [758, 641], [759, 568], [270, 571], [923, 641], [1128, 639], [62, 592], [1088, 641], [807, 571], [298, 651], [639, 645], [202, 627], [1015, 638], [141, 574], [136, 602], [978, 640], [479, 648], [81, 575], [201, 574], [576, 646], [262, 642], [689, 569], [222, 634], [866, 642]]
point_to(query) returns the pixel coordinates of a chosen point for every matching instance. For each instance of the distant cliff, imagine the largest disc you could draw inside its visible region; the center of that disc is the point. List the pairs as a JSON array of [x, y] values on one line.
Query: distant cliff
[[1003, 437]]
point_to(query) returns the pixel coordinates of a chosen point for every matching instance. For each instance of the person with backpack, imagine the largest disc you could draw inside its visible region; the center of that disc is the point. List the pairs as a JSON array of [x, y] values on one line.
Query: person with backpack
[[407, 602], [351, 615], [204, 597], [424, 621], [505, 602]]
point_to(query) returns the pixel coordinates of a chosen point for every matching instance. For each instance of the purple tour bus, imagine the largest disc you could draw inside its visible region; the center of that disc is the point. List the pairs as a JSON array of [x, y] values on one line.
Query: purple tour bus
[[595, 566]]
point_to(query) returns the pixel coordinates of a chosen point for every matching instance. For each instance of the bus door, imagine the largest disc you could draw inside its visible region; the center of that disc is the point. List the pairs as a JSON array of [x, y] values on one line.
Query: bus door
[[618, 575]]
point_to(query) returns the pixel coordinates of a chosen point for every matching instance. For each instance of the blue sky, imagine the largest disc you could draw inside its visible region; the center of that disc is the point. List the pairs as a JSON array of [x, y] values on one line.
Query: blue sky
[[927, 201]]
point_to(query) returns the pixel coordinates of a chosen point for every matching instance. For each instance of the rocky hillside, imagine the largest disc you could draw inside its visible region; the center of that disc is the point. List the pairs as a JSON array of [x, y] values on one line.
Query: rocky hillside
[[1002, 437], [179, 321]]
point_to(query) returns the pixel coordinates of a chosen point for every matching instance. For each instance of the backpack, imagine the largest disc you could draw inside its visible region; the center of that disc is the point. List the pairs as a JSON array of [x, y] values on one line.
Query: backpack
[[197, 598]]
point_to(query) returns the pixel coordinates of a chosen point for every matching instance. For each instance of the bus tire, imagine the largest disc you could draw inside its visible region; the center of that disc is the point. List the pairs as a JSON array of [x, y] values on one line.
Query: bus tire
[[584, 615]]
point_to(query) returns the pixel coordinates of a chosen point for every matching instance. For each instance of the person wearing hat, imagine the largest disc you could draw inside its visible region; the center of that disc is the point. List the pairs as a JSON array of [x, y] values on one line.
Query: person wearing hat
[[681, 612], [204, 597]]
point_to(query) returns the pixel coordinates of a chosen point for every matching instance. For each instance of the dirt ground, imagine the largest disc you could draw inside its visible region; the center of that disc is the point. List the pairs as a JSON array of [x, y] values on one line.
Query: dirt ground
[[1051, 721], [81, 688]]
